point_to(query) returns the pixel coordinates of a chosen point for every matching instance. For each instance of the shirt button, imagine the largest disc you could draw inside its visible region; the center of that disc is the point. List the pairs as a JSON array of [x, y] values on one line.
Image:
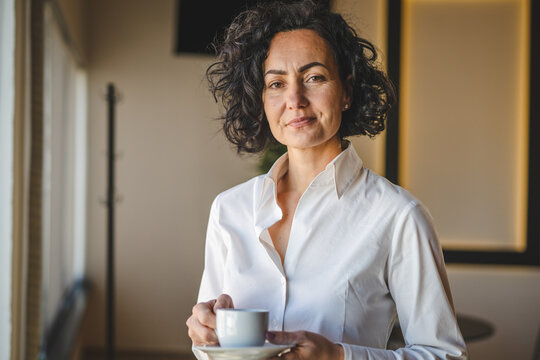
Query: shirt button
[[274, 323], [283, 281]]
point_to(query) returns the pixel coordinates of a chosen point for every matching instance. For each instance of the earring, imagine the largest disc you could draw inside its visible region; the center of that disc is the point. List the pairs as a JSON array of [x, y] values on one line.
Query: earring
[[346, 107]]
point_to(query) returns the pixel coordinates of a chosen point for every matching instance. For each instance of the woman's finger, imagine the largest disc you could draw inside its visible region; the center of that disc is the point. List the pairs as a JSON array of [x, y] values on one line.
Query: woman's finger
[[224, 301], [200, 334], [308, 345], [204, 313], [290, 354], [202, 323], [284, 337]]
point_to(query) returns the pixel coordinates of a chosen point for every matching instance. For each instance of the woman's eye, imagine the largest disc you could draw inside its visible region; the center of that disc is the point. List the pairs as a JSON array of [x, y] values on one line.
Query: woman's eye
[[275, 85], [315, 78]]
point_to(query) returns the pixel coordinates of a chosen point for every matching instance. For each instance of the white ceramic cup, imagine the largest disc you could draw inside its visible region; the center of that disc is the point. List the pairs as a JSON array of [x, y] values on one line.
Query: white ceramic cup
[[241, 327]]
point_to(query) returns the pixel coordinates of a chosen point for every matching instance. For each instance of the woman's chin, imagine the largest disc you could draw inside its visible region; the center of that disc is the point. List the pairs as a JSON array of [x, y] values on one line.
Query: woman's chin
[[307, 143]]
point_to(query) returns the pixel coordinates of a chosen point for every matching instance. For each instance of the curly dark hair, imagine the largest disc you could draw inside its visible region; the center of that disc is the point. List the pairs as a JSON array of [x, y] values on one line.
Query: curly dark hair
[[237, 76]]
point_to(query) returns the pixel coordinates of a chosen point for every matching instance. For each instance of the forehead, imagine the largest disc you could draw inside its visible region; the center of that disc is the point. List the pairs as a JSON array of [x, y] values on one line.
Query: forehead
[[297, 48]]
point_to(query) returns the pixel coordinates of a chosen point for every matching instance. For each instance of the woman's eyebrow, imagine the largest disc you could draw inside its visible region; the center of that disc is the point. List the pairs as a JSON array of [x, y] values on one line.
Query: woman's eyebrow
[[300, 69], [310, 65]]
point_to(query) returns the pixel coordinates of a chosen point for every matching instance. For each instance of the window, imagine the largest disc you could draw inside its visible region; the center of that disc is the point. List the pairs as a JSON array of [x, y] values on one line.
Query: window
[[64, 169], [7, 56]]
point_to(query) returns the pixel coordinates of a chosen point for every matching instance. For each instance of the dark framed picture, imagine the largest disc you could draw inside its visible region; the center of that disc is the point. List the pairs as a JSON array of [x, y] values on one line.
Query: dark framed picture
[[199, 22], [464, 138]]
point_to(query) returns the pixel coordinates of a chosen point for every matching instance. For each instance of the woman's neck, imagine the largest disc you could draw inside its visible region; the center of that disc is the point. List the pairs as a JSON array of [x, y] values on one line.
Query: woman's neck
[[306, 164]]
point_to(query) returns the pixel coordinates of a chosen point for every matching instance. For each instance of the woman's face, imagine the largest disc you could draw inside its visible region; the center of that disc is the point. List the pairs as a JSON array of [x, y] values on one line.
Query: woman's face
[[303, 95]]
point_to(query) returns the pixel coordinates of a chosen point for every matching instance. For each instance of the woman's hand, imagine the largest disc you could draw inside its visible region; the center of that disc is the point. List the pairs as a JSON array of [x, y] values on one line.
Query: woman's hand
[[308, 346], [202, 323]]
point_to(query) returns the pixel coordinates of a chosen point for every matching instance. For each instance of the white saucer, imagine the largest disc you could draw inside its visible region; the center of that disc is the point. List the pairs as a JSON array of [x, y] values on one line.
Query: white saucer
[[246, 353]]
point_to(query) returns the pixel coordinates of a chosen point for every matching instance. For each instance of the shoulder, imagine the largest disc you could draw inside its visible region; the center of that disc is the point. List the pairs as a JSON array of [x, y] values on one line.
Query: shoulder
[[408, 219], [385, 195], [391, 206], [239, 196]]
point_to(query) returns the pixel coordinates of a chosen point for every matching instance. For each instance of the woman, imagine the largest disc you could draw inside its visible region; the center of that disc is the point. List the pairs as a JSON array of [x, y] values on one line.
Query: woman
[[333, 250]]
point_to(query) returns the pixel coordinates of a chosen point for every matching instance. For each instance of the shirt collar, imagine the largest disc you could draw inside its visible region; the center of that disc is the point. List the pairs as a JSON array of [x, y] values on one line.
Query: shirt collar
[[340, 172], [346, 166]]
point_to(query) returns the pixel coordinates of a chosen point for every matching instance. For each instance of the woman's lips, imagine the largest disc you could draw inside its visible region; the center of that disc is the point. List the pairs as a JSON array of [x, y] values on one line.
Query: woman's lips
[[300, 121]]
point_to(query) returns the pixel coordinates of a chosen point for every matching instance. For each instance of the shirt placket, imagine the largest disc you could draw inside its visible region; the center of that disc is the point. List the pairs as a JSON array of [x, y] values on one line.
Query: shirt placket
[[277, 321], [277, 315]]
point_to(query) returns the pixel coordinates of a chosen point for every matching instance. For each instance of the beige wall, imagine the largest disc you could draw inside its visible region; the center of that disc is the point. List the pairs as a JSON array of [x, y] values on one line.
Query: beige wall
[[508, 297], [479, 122], [173, 163]]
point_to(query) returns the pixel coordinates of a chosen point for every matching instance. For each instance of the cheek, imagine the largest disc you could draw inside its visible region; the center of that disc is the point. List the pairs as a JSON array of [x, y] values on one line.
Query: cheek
[[327, 98], [330, 107], [272, 109]]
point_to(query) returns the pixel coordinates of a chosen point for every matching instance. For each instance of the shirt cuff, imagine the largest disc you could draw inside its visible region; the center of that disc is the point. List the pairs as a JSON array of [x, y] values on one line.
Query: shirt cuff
[[347, 354], [199, 354], [357, 352]]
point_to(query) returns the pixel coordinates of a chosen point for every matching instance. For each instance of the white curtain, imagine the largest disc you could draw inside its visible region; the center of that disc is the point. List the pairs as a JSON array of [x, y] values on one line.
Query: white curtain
[[64, 170], [7, 85]]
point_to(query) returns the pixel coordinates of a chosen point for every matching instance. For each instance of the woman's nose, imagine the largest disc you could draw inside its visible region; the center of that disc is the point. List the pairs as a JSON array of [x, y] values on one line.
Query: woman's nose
[[296, 97]]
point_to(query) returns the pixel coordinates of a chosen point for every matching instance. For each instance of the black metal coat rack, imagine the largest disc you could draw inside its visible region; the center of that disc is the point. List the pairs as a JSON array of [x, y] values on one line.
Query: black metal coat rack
[[110, 313]]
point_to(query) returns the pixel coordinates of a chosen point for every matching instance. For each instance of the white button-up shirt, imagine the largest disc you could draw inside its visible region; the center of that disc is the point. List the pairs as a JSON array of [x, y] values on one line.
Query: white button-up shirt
[[361, 250]]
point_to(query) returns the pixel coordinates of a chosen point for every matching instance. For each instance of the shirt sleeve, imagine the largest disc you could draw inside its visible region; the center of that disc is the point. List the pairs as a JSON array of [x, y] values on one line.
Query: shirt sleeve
[[419, 286], [214, 257], [214, 264]]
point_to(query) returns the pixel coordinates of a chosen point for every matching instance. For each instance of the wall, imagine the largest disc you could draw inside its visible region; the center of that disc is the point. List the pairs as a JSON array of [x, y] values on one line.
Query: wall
[[171, 164], [509, 298]]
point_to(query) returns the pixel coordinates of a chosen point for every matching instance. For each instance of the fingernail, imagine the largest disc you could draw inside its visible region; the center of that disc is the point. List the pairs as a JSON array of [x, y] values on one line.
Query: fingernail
[[270, 335]]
